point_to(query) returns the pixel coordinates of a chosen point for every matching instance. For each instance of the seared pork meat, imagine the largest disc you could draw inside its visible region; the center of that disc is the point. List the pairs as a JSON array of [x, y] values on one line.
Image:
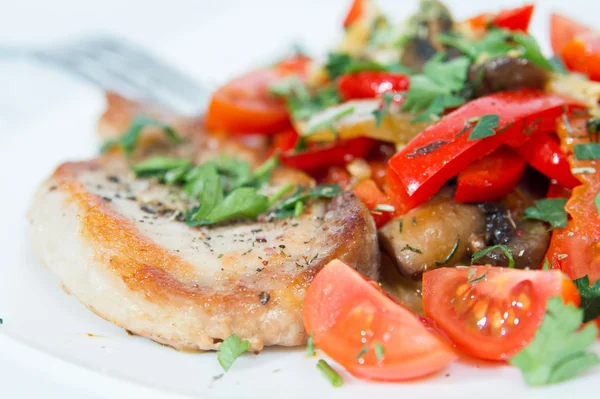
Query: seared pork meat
[[120, 245], [433, 235]]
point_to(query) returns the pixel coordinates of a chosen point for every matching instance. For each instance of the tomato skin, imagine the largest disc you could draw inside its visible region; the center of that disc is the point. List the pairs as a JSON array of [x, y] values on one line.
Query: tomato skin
[[556, 190], [355, 12], [491, 178], [514, 19], [338, 154], [371, 195], [370, 84], [297, 65], [439, 152], [582, 55], [244, 105], [495, 317], [345, 312], [543, 152], [563, 30], [284, 141]]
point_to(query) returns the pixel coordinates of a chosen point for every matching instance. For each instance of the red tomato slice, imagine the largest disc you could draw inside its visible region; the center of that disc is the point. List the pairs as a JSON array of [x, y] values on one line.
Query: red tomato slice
[[582, 55], [563, 30], [371, 195], [355, 12], [492, 177], [347, 313], [244, 105], [370, 84], [298, 65], [495, 317]]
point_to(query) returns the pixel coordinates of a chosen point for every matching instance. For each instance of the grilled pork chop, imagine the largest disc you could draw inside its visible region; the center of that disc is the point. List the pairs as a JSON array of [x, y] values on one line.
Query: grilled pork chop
[[120, 245]]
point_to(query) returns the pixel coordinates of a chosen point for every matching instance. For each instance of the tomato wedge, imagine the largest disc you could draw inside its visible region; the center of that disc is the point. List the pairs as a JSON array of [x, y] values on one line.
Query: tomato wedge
[[244, 105], [346, 314], [582, 55], [564, 29], [444, 149], [491, 178], [371, 195], [370, 84], [322, 156], [543, 152], [493, 312], [575, 249], [513, 19]]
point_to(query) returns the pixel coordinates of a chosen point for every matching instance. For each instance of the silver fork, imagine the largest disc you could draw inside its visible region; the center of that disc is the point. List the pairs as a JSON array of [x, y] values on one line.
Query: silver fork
[[124, 68]]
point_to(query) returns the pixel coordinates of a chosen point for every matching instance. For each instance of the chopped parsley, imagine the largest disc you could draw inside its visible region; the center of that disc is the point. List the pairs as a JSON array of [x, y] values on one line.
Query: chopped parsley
[[379, 351], [328, 123], [302, 102], [158, 165], [435, 90], [590, 298], [339, 64], [362, 352], [334, 378], [597, 202], [288, 206], [480, 254], [128, 140], [411, 249], [231, 349], [380, 112], [559, 350], [310, 346], [587, 151], [550, 210], [485, 127], [450, 255], [472, 279]]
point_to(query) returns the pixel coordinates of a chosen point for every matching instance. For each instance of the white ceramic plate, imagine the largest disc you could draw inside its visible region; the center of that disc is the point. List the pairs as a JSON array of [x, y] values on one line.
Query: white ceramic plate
[[52, 346]]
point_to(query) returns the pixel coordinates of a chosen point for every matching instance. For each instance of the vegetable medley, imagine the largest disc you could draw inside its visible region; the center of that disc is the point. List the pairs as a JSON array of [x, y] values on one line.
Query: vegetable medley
[[477, 157]]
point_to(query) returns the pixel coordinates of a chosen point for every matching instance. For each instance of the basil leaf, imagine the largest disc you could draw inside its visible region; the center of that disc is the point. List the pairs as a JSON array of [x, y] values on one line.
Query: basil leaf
[[551, 210], [587, 151], [590, 298], [485, 127]]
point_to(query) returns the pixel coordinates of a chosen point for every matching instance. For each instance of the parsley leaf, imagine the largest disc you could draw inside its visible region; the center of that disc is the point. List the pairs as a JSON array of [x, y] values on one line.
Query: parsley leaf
[[160, 165], [206, 186], [480, 254], [380, 112], [485, 127], [243, 202], [493, 44], [288, 206], [301, 102], [587, 151], [531, 50], [434, 90], [328, 123], [337, 63], [590, 298], [597, 202], [231, 349], [129, 139], [551, 210], [558, 350]]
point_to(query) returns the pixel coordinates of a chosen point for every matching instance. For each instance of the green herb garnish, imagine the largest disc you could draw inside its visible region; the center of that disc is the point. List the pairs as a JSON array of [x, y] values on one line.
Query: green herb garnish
[[380, 112], [485, 127], [334, 378], [288, 206], [450, 255], [558, 351], [379, 351], [129, 139], [590, 298], [480, 254], [587, 151], [159, 165], [328, 123], [310, 346], [362, 352], [550, 210], [531, 50], [231, 349], [411, 249]]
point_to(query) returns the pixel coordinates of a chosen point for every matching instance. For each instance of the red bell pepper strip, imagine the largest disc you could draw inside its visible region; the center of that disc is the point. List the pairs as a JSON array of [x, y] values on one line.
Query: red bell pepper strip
[[284, 141], [543, 152], [371, 195], [355, 12], [492, 177], [556, 190], [575, 249], [370, 84], [338, 154], [443, 150], [516, 19]]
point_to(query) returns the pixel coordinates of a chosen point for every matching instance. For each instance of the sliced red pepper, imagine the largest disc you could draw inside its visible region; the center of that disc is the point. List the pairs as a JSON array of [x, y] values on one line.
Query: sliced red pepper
[[338, 154], [284, 141], [543, 152], [492, 177], [337, 175], [371, 195], [516, 19], [556, 190], [371, 84], [582, 55], [356, 10], [443, 150], [297, 64]]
